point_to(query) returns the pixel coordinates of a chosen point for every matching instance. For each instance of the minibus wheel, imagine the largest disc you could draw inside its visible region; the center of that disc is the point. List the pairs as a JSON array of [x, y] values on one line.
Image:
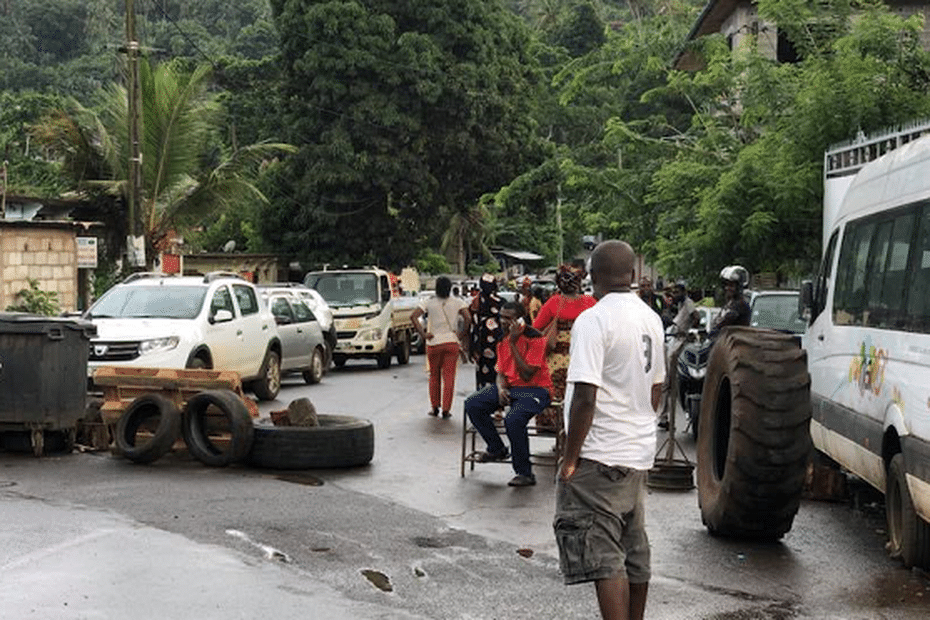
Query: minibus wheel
[[909, 535]]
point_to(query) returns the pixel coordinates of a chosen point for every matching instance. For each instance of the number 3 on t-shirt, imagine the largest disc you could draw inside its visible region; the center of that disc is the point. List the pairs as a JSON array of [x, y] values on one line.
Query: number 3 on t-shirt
[[647, 341]]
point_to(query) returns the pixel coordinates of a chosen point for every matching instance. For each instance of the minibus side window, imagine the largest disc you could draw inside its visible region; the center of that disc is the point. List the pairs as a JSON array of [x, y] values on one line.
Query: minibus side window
[[850, 298], [877, 314], [823, 278], [894, 288], [918, 308]]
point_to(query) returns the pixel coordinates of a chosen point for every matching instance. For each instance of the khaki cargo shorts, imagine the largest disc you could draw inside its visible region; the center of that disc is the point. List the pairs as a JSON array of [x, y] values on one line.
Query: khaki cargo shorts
[[600, 524]]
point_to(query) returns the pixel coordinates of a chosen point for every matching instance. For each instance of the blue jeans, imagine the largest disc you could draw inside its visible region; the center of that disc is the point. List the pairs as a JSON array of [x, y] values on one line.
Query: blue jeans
[[525, 402]]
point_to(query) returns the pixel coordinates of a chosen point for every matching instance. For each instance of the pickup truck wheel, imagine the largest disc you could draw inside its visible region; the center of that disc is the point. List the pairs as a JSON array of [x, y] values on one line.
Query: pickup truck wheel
[[200, 423], [269, 384], [909, 535], [754, 441], [315, 373], [403, 349], [199, 363], [153, 413], [338, 441], [384, 358]]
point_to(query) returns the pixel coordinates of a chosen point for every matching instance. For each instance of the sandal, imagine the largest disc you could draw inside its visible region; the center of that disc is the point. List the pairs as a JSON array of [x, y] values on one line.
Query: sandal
[[491, 457]]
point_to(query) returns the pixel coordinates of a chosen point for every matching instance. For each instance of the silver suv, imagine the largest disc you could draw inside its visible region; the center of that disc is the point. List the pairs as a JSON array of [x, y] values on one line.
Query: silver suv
[[316, 303], [215, 321]]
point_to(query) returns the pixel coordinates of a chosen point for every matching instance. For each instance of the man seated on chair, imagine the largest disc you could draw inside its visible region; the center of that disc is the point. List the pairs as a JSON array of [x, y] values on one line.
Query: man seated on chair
[[523, 382]]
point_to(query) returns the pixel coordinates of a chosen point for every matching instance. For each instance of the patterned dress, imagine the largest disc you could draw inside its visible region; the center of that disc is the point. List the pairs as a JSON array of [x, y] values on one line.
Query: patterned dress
[[567, 309], [485, 331]]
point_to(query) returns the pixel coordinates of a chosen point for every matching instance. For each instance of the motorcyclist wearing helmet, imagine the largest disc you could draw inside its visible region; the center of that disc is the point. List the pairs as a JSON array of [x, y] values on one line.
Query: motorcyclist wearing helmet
[[734, 279]]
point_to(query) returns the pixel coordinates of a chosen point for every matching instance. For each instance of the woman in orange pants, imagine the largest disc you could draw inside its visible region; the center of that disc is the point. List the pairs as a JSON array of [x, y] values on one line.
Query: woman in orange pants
[[443, 337]]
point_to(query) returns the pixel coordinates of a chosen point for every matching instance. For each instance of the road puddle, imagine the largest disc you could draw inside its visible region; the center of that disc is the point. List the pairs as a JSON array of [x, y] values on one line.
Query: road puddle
[[378, 579], [305, 479], [898, 588]]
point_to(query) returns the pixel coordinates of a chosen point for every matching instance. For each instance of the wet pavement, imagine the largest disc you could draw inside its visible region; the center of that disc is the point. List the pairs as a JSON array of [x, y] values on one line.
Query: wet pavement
[[94, 536]]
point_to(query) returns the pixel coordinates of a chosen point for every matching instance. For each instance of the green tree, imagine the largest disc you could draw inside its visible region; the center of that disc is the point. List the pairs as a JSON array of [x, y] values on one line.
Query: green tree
[[468, 234], [402, 111], [28, 173], [186, 176], [607, 140], [579, 31], [58, 27], [745, 183]]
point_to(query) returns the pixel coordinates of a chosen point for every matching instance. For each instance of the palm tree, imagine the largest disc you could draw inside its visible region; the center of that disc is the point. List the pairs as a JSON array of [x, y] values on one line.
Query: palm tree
[[467, 232], [182, 181]]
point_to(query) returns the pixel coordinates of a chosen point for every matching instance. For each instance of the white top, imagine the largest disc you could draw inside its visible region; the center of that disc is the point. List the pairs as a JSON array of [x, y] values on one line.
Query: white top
[[617, 346], [683, 318], [442, 316]]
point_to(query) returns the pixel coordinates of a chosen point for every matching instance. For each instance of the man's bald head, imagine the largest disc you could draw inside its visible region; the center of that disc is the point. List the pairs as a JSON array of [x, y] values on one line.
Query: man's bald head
[[612, 267]]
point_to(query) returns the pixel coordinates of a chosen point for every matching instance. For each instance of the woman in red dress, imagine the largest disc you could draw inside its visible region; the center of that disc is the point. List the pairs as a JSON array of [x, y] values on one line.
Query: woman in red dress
[[564, 307]]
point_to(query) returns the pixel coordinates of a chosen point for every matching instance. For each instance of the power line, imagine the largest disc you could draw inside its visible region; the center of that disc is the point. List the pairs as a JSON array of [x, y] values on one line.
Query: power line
[[189, 40]]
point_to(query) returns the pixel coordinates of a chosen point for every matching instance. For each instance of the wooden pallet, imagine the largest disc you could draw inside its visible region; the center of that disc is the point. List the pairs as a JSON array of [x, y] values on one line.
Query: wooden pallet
[[121, 385]]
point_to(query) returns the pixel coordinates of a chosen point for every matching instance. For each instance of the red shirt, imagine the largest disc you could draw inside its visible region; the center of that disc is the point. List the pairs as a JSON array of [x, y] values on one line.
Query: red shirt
[[533, 351], [571, 308]]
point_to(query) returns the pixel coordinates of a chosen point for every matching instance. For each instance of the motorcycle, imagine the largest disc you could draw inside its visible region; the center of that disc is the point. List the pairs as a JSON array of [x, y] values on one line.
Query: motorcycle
[[692, 367]]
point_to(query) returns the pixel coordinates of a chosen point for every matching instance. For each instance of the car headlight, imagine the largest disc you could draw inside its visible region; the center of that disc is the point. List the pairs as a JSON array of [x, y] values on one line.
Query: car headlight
[[158, 344], [372, 335]]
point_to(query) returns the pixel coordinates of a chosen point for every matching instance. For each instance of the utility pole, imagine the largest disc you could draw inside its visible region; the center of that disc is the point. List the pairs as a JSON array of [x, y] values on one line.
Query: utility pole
[[558, 222], [3, 184], [134, 250]]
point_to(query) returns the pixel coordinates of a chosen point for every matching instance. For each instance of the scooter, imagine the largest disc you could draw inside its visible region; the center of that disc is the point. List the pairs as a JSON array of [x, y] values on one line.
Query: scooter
[[692, 367]]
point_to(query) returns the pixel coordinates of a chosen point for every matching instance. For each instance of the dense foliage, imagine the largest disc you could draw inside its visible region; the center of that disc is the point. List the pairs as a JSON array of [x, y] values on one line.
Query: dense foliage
[[429, 132]]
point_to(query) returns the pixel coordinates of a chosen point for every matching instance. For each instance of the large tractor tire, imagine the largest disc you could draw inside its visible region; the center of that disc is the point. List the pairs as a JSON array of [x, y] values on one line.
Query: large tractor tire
[[754, 440]]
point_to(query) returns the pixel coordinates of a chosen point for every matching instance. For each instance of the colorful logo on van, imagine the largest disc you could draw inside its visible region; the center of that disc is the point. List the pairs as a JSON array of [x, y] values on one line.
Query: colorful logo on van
[[867, 370]]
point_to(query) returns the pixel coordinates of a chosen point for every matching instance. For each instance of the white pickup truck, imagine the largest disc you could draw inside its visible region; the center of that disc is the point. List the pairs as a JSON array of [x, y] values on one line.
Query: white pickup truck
[[372, 321]]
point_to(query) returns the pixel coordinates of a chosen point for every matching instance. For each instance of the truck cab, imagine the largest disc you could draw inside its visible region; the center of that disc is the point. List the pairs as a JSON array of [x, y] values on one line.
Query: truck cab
[[370, 322]]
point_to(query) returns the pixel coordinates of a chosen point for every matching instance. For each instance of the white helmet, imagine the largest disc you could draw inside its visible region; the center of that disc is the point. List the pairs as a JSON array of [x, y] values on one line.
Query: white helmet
[[735, 273]]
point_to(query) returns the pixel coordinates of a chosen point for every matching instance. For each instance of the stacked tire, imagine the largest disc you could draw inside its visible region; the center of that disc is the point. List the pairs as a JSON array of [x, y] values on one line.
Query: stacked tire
[[206, 416], [218, 431], [337, 441]]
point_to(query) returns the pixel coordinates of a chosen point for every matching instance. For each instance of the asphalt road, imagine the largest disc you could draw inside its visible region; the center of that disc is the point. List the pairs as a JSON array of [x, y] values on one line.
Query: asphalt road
[[92, 535]]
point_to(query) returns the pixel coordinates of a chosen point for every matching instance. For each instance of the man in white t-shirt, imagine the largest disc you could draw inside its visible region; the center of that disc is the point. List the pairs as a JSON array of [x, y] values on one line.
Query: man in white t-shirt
[[615, 376]]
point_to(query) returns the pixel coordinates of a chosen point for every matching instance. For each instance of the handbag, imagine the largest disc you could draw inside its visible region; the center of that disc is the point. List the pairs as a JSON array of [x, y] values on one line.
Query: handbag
[[552, 329]]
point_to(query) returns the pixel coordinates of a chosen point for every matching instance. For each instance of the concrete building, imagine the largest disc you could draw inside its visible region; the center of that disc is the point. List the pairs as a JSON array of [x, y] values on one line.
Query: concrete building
[[739, 21], [45, 251]]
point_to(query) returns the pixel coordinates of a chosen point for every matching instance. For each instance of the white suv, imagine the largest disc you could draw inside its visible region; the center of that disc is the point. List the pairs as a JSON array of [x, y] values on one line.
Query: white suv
[[216, 321]]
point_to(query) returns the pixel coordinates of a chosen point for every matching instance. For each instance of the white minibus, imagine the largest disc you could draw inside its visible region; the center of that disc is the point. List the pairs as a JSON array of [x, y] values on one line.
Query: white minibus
[[868, 341]]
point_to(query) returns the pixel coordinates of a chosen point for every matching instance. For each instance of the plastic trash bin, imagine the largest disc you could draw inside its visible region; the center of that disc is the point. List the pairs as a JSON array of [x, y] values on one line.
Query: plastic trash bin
[[43, 375]]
